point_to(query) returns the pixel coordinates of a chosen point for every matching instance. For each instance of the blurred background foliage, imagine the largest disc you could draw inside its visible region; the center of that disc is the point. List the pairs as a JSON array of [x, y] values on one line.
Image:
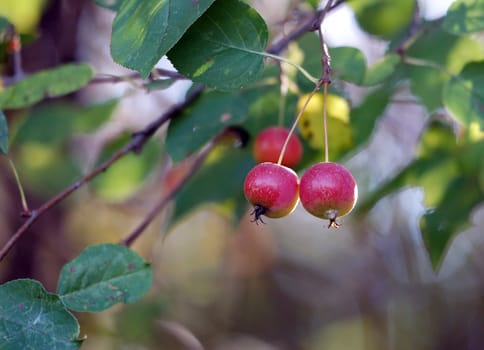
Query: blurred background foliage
[[405, 115]]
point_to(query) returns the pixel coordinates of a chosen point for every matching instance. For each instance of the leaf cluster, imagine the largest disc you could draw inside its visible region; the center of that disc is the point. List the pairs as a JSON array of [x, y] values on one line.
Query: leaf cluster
[[222, 47]]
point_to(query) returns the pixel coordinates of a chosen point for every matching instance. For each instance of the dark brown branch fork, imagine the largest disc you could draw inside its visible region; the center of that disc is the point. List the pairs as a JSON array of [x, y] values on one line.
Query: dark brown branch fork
[[134, 145]]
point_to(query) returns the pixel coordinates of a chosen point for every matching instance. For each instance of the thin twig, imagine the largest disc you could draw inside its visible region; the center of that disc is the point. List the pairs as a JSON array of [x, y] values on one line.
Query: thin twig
[[196, 162], [167, 197], [413, 31], [296, 121], [140, 138], [326, 9], [134, 145], [107, 78], [294, 64], [325, 123], [325, 79], [325, 60], [309, 24]]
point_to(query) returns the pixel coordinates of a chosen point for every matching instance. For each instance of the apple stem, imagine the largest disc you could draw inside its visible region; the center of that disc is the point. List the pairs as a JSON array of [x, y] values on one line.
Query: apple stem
[[324, 80], [294, 124], [325, 123]]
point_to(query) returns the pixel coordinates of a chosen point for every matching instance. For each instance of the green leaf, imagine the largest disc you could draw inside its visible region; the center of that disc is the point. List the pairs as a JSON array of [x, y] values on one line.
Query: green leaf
[[144, 31], [381, 70], [48, 83], [102, 276], [128, 174], [3, 134], [450, 215], [448, 173], [46, 169], [31, 318], [464, 94], [446, 55], [110, 4], [211, 113], [348, 63], [159, 84], [465, 16], [437, 138], [479, 165], [313, 3], [365, 115], [427, 85], [432, 173], [264, 108], [37, 125], [224, 48], [4, 25], [204, 187], [137, 323], [436, 165], [68, 118], [470, 156], [91, 117], [46, 164], [310, 48], [384, 18]]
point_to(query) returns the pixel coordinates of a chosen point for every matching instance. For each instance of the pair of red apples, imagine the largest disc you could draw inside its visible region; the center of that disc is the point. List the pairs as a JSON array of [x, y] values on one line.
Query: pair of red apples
[[327, 190]]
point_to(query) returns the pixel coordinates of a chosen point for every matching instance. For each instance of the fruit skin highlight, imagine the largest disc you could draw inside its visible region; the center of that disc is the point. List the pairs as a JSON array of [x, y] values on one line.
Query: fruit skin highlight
[[268, 146], [328, 191], [273, 189]]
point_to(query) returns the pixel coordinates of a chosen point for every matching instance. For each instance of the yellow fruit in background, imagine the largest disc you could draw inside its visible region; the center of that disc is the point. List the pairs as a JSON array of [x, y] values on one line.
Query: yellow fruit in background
[[23, 14], [311, 122], [384, 18]]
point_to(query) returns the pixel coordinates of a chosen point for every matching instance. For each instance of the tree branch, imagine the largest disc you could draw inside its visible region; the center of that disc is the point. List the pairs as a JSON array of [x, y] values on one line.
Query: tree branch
[[106, 78], [412, 33], [134, 145], [311, 23], [188, 169]]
